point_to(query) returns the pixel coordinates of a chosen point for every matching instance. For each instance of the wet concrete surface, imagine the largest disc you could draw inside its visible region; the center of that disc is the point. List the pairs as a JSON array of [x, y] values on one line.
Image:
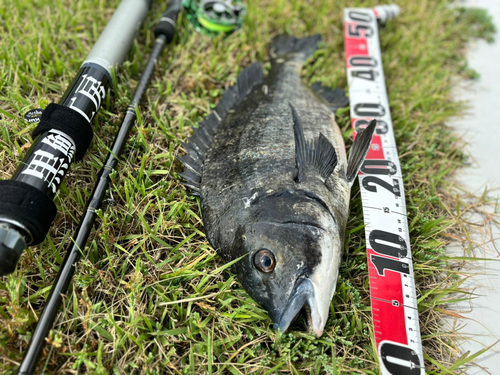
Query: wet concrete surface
[[480, 127]]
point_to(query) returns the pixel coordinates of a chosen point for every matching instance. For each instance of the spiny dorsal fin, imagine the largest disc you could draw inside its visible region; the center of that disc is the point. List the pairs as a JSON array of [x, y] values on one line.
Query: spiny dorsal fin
[[318, 155], [194, 152], [335, 97], [359, 150], [247, 80], [190, 177], [194, 187], [200, 141], [190, 163]]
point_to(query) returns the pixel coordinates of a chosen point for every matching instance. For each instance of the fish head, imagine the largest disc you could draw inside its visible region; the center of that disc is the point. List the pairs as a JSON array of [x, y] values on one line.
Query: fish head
[[293, 246]]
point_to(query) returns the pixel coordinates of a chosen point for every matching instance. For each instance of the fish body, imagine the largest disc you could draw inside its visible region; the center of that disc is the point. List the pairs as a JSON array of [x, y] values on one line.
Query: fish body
[[271, 169]]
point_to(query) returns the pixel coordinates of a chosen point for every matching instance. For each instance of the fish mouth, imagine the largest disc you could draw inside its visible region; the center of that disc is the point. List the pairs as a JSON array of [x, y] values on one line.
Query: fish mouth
[[302, 299]]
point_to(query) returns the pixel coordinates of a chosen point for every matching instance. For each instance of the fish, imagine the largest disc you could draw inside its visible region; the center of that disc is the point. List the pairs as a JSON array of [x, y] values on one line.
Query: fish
[[270, 167]]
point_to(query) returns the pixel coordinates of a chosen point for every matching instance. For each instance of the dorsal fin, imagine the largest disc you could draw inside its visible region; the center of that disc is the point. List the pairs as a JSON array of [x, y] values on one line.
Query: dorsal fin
[[190, 163], [199, 143], [319, 155]]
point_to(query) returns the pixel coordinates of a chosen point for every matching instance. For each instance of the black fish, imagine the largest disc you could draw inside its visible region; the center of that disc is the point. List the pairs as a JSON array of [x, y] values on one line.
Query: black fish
[[271, 169]]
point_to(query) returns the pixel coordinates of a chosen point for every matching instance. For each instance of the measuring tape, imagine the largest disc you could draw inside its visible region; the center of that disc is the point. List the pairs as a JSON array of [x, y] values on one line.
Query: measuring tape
[[392, 283]]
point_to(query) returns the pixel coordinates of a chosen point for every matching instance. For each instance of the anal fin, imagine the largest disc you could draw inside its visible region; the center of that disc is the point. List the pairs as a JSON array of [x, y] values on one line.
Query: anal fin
[[317, 156], [336, 98]]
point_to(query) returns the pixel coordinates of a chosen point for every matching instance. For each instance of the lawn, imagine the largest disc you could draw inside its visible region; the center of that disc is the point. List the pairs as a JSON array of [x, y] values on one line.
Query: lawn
[[150, 295]]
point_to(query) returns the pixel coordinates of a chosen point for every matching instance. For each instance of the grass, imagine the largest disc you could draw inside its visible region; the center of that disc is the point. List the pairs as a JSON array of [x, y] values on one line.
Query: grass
[[150, 295]]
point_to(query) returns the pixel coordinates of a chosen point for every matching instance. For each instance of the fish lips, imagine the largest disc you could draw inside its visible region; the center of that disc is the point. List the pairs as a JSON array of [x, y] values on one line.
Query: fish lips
[[302, 296]]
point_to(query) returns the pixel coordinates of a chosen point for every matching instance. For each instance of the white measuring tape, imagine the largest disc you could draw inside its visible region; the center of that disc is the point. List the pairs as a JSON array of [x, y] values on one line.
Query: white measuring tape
[[392, 285]]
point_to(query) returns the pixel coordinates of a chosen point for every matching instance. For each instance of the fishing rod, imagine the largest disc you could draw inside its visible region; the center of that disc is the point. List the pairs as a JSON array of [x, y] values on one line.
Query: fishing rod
[[164, 33], [64, 133], [62, 137]]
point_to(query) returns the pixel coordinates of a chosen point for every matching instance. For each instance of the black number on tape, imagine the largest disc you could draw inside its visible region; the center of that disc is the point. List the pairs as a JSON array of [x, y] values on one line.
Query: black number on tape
[[359, 16], [387, 243], [369, 110], [369, 75], [399, 359], [382, 263], [361, 124], [362, 61], [376, 166], [394, 189], [368, 31]]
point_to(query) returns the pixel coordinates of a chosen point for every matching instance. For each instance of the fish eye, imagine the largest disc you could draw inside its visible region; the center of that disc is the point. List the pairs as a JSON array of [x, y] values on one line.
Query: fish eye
[[264, 261]]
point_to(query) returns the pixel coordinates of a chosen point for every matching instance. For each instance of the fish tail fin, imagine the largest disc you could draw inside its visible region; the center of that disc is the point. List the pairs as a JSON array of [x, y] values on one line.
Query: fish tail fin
[[285, 45], [359, 150]]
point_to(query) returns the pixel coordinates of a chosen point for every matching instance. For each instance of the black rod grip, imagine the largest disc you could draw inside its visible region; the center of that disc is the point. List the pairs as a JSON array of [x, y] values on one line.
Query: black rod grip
[[168, 21], [28, 206]]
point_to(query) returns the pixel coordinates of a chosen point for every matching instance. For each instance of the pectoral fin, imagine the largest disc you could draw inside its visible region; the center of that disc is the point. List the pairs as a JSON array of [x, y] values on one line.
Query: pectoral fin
[[314, 157], [359, 150]]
